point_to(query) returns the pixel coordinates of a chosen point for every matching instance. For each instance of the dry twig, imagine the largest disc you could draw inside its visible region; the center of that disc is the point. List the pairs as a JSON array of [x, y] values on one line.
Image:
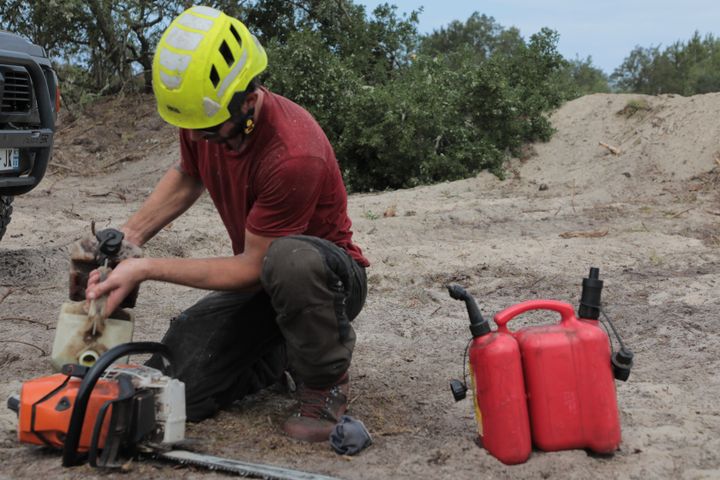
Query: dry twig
[[613, 150], [44, 353], [5, 294], [680, 213], [106, 194], [25, 319], [64, 167], [587, 234]]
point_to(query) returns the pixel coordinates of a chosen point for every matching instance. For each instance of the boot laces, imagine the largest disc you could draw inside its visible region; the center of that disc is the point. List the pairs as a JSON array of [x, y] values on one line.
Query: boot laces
[[319, 403]]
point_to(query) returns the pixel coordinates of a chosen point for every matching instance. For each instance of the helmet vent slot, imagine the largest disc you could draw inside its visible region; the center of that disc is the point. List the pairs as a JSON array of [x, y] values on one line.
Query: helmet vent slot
[[227, 54], [236, 35], [214, 77]]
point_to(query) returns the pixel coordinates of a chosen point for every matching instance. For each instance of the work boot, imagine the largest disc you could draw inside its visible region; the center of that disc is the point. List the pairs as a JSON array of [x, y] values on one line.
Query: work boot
[[320, 410]]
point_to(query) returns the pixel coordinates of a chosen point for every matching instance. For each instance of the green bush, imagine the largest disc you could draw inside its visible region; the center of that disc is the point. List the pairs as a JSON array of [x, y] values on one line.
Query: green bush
[[304, 70], [409, 132], [442, 117], [634, 106]]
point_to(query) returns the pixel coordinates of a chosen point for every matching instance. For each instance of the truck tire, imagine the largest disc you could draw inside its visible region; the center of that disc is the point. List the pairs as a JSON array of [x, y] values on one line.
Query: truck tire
[[5, 212]]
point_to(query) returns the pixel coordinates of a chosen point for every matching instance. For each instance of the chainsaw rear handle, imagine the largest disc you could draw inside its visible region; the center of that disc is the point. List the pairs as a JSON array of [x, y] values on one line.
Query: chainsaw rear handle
[[77, 419], [565, 310]]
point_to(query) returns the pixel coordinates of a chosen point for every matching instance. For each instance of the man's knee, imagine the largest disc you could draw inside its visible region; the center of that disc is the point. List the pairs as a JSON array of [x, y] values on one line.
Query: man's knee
[[292, 270]]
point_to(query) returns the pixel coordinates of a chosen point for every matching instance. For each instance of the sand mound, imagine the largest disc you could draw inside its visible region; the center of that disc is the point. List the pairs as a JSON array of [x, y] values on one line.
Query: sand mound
[[657, 139]]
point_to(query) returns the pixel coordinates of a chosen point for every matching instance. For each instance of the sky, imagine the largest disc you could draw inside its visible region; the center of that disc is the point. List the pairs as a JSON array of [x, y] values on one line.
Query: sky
[[606, 30]]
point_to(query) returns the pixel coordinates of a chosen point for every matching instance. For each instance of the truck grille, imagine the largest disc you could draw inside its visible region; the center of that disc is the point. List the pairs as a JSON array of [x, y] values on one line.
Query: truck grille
[[17, 94]]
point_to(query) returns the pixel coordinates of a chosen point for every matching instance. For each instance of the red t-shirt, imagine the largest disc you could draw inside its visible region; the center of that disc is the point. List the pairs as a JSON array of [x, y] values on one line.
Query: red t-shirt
[[285, 182]]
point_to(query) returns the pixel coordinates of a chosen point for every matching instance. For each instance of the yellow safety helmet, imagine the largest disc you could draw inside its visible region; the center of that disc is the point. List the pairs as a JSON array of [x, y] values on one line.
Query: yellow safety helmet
[[203, 58]]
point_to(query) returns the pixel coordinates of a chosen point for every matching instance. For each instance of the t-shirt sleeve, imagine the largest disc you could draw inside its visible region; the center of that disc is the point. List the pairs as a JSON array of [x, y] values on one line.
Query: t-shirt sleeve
[[188, 154], [287, 198]]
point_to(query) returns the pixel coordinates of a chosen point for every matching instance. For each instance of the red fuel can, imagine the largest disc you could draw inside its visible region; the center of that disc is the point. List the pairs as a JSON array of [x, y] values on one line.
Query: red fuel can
[[498, 387], [499, 397], [568, 380]]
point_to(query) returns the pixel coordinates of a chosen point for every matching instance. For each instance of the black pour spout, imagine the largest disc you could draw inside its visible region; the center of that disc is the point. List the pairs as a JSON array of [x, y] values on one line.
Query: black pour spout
[[590, 298], [478, 325]]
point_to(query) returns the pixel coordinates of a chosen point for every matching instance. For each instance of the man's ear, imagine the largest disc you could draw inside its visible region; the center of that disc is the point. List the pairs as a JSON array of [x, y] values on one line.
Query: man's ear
[[250, 101]]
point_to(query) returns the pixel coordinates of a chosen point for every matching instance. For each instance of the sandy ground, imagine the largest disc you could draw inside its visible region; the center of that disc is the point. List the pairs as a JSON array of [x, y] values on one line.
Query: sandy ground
[[647, 217]]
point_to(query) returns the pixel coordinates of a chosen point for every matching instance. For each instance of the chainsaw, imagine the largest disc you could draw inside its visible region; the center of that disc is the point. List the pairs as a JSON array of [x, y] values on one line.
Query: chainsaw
[[108, 414]]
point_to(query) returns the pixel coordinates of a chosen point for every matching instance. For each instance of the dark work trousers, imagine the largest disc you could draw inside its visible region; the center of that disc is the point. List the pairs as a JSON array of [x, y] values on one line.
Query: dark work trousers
[[231, 344]]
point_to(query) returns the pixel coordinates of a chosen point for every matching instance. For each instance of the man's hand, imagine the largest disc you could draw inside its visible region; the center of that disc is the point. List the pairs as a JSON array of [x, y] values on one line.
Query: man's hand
[[240, 272], [120, 282]]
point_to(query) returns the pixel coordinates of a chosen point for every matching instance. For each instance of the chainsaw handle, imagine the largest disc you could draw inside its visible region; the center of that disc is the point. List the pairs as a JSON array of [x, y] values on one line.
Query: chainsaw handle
[[564, 309], [77, 419]]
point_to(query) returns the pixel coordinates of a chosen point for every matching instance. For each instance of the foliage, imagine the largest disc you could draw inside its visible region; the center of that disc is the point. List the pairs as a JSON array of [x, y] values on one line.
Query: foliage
[[401, 109], [306, 71], [438, 123], [635, 105], [479, 36], [685, 68], [102, 45], [580, 77]]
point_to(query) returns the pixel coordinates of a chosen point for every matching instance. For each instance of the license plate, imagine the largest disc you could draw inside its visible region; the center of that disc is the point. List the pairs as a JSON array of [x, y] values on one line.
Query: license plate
[[9, 159]]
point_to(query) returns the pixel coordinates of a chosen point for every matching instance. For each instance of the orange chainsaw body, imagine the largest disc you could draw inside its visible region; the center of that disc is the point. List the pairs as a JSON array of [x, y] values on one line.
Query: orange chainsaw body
[[46, 405]]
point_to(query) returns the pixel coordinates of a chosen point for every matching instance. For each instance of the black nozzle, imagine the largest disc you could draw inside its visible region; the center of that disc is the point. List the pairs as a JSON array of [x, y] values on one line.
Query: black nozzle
[[74, 370], [458, 389], [110, 241], [591, 294], [622, 362], [478, 325], [13, 403]]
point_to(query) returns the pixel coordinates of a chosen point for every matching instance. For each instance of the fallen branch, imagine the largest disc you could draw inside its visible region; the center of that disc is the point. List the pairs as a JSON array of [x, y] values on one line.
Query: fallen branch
[[5, 294], [613, 150], [680, 213], [106, 194], [65, 167], [388, 433], [587, 234], [125, 158], [713, 212], [24, 319], [44, 353]]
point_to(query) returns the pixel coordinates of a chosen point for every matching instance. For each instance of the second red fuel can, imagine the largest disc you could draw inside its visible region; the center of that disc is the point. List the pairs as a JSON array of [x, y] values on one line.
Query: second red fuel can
[[568, 380]]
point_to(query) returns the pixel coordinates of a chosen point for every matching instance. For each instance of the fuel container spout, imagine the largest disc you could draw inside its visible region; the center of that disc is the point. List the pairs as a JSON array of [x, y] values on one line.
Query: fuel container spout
[[478, 325]]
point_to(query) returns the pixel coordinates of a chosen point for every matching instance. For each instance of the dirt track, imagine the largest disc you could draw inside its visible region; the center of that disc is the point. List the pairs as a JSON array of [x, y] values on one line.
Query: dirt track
[[648, 218]]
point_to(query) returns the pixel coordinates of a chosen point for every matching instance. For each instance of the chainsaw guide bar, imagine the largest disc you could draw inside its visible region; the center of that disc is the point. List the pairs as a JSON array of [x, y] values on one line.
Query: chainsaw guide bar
[[244, 469]]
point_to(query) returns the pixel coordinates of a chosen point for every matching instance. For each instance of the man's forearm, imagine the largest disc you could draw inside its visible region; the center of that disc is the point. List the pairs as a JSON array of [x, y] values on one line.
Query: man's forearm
[[174, 194], [223, 273]]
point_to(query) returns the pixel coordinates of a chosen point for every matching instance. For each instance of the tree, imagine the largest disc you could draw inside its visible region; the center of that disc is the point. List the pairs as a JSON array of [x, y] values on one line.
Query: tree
[[479, 35], [686, 68], [102, 43], [580, 77]]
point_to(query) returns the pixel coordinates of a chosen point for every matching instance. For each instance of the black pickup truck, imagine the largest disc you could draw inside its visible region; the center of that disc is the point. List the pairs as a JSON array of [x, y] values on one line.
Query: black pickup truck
[[29, 100]]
